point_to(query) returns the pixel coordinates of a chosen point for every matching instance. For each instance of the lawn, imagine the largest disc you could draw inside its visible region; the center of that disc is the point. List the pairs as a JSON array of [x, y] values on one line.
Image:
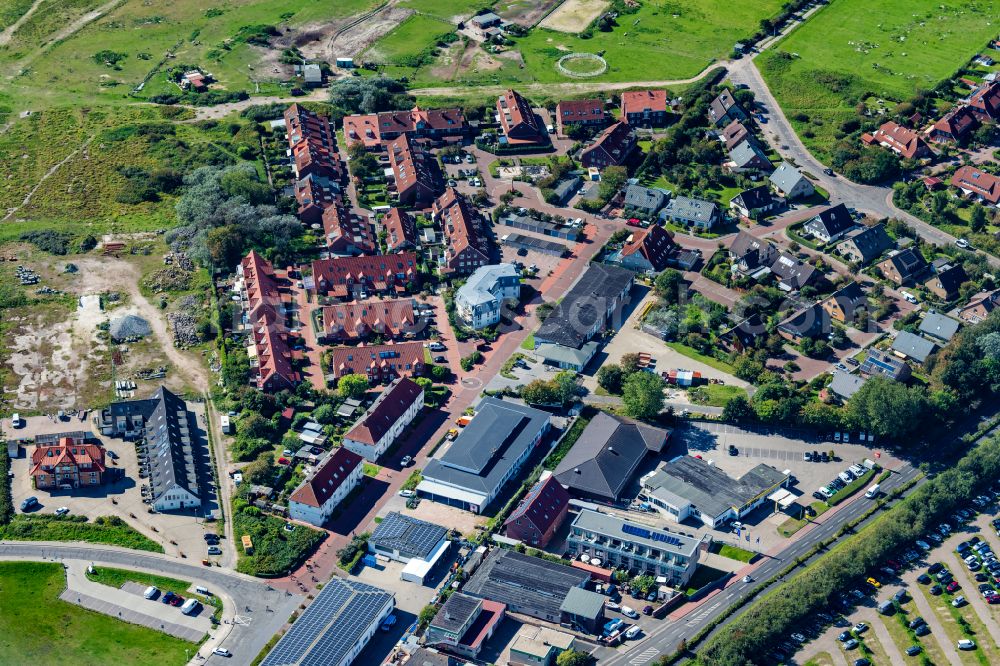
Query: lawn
[[851, 488], [841, 55], [405, 44], [793, 525], [714, 395], [733, 552], [36, 627], [711, 361], [109, 530]]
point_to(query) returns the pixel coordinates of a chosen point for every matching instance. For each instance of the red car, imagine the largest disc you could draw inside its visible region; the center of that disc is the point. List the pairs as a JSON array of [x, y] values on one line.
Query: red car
[[993, 598], [177, 600], [284, 461], [953, 585], [633, 222]]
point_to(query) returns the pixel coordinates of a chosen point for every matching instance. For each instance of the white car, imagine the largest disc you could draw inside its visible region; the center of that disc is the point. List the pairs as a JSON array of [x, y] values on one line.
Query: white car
[[962, 243], [633, 633], [151, 592], [610, 605], [629, 612], [222, 652], [966, 644], [748, 579], [923, 545], [958, 601], [62, 511], [406, 493]]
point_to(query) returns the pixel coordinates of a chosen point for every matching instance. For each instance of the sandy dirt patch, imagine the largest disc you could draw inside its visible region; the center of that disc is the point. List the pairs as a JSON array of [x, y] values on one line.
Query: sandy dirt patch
[[574, 15], [349, 37], [525, 12]]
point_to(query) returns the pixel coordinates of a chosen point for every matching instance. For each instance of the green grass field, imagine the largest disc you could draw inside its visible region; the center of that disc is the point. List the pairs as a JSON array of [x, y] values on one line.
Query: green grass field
[[104, 529], [448, 10], [407, 40], [843, 54], [36, 627]]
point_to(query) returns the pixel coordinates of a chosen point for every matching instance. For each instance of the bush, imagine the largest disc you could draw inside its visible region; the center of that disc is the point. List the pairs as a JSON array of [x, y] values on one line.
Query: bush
[[110, 530], [53, 242], [276, 552], [6, 502]]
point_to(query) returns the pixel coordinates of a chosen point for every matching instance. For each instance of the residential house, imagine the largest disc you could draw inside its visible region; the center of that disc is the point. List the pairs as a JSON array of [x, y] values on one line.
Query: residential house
[[416, 176], [265, 306], [386, 420], [485, 456], [791, 273], [954, 126], [586, 112], [865, 245], [938, 326], [583, 610], [520, 125], [904, 267], [753, 203], [688, 487], [611, 147], [901, 140], [540, 514], [316, 498], [734, 134], [646, 201], [379, 363], [437, 125], [845, 304], [788, 182], [748, 156], [485, 25], [564, 190], [910, 345], [977, 184], [312, 144], [480, 300], [845, 385], [313, 193], [602, 462], [751, 256], [985, 102], [588, 307], [690, 212], [644, 108], [945, 283], [885, 364], [467, 247], [400, 230], [347, 234], [66, 464], [361, 277], [979, 307], [724, 110], [463, 624], [830, 224], [621, 543], [809, 322], [358, 320], [648, 250]]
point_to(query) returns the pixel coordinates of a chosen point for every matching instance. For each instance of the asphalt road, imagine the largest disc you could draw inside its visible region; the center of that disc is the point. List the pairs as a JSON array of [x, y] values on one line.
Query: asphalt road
[[260, 610], [664, 639]]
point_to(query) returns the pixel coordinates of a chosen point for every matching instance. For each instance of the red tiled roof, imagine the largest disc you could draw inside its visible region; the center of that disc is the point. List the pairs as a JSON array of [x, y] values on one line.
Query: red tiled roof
[[902, 140], [85, 457], [542, 505], [372, 129], [519, 122], [386, 411], [403, 359], [641, 101], [611, 148], [400, 229], [313, 194], [983, 184], [956, 123], [986, 101], [462, 230], [268, 332], [414, 170], [316, 490], [312, 143], [344, 231], [654, 243], [352, 321], [379, 273], [259, 281], [580, 111]]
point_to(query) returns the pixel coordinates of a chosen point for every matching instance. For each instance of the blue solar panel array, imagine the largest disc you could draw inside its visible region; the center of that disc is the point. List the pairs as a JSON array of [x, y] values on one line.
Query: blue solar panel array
[[668, 539]]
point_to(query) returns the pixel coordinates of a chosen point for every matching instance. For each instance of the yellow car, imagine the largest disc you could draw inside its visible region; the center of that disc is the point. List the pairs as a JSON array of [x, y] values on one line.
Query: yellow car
[[874, 583]]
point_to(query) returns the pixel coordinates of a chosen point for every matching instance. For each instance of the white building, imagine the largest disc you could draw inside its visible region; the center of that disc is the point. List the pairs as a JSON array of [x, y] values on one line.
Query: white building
[[379, 428], [481, 298], [316, 498], [416, 543]]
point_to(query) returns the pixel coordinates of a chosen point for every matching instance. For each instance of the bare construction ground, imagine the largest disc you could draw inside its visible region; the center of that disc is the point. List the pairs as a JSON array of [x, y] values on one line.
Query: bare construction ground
[[349, 37], [574, 16], [525, 12]]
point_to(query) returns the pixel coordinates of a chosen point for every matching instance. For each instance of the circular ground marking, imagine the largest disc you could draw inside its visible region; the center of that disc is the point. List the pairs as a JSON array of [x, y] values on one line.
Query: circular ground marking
[[582, 65], [472, 382]]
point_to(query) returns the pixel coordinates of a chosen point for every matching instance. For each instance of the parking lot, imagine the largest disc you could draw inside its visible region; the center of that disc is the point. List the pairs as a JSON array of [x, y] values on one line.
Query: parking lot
[[934, 602], [178, 532]]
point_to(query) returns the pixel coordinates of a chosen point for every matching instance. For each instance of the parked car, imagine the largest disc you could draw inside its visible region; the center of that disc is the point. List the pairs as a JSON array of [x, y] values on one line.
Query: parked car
[[214, 550], [633, 633], [966, 644], [405, 460], [222, 652], [611, 605], [388, 622], [916, 622], [168, 597], [922, 630], [629, 612], [850, 644], [29, 503], [913, 650], [860, 628], [406, 493], [958, 601], [62, 511], [647, 610], [151, 592]]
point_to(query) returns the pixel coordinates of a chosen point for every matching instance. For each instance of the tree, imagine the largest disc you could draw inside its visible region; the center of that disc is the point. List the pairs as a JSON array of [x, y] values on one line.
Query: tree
[[368, 95], [738, 408], [977, 218], [325, 414], [439, 372], [260, 471], [642, 394], [629, 363], [352, 386], [644, 583], [889, 409], [427, 614], [669, 285], [612, 180], [573, 658], [610, 378], [255, 426], [541, 392], [566, 386]]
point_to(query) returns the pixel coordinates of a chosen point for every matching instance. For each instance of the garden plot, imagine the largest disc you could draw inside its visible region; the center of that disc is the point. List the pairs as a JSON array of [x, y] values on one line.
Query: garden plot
[[573, 16]]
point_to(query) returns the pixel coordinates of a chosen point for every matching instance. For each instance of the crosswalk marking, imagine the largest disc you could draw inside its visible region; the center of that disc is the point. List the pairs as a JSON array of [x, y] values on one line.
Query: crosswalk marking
[[645, 656]]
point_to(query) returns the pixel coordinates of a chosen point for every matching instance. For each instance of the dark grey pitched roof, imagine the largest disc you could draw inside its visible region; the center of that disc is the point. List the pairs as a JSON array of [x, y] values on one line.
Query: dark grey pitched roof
[[913, 346], [755, 197], [871, 242], [489, 446], [845, 384], [833, 220], [583, 305], [745, 152], [809, 322], [950, 277], [939, 326], [791, 272], [753, 252], [908, 263], [637, 196], [456, 612], [583, 603], [710, 489], [410, 536], [606, 455], [537, 586]]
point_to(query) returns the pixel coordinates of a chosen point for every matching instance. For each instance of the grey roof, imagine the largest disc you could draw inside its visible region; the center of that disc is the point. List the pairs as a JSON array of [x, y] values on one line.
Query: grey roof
[[606, 455], [486, 19], [913, 346], [537, 586], [617, 528], [561, 354], [871, 242], [583, 305], [583, 603], [755, 197], [845, 384], [329, 628], [424, 656], [691, 209], [489, 446], [791, 272], [745, 152], [565, 188], [834, 220], [647, 198], [710, 489], [908, 262], [786, 177], [886, 364], [456, 612], [541, 244], [478, 288], [752, 251], [939, 326], [410, 536]]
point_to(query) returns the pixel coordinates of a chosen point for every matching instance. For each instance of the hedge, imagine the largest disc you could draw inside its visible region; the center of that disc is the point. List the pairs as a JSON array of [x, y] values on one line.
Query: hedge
[[6, 502]]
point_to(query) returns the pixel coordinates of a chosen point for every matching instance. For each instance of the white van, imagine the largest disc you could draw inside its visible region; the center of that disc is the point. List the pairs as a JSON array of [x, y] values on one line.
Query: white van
[[150, 592], [202, 591], [16, 422], [845, 477], [907, 296], [190, 606], [873, 491]]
